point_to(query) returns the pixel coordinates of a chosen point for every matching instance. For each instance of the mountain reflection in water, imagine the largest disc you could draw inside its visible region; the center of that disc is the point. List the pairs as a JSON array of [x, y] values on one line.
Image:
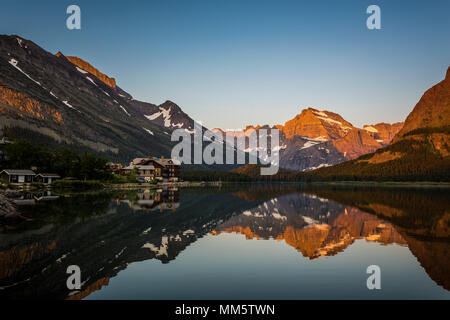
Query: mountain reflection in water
[[104, 232]]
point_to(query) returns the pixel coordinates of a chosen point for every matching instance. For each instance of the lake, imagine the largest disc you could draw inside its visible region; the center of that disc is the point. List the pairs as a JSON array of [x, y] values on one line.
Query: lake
[[273, 241]]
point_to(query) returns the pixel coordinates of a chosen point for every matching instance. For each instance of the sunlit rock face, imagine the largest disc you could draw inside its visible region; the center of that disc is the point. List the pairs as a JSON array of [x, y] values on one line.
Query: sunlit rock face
[[432, 110], [357, 143], [91, 69], [320, 138], [383, 132], [317, 124]]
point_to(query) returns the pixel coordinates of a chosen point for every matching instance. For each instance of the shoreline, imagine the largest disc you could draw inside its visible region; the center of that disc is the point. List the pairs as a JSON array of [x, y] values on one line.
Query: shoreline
[[187, 184], [162, 185]]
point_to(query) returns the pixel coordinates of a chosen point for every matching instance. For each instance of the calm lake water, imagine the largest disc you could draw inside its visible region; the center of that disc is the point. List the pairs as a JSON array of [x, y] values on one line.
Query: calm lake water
[[235, 242]]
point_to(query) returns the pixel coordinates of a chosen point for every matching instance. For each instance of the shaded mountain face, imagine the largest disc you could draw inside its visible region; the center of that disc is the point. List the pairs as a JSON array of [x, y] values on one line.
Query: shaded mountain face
[[419, 151], [48, 97]]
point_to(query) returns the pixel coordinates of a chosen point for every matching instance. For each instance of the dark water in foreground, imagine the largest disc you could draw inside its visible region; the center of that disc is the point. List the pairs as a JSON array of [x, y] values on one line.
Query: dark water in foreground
[[236, 242]]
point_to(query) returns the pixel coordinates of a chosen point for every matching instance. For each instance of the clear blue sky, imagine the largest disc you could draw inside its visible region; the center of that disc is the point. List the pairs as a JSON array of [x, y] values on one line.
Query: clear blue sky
[[230, 63]]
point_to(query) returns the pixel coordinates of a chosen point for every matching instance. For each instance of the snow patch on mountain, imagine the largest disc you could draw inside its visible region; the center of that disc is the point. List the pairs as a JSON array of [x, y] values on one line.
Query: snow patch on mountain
[[319, 113], [81, 70], [322, 115], [322, 165], [332, 121], [14, 63], [371, 129], [165, 113], [66, 102], [309, 144], [125, 110], [149, 131], [161, 250], [91, 81]]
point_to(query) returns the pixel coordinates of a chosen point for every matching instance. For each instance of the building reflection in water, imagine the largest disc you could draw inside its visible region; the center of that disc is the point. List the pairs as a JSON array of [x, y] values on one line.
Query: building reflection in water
[[155, 199], [26, 198]]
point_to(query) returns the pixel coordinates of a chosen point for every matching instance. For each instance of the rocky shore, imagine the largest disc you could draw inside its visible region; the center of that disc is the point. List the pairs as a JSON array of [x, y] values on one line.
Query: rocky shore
[[7, 208]]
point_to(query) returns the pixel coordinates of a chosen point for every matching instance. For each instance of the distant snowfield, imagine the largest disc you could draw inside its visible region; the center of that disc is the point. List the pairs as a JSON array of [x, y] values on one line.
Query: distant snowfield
[[309, 144]]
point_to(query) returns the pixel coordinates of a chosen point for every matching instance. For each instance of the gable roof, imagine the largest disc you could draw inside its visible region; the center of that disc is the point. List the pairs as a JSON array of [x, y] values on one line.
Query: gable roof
[[166, 162], [146, 167], [49, 175], [140, 167], [138, 160], [19, 172], [158, 161]]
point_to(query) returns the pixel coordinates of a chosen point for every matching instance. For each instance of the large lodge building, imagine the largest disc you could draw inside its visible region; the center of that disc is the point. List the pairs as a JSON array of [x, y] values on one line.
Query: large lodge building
[[154, 168]]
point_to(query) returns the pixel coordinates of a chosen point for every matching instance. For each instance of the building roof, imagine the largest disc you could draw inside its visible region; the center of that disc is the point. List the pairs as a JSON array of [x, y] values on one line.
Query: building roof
[[138, 160], [19, 172], [49, 175], [159, 161], [143, 167], [146, 167], [166, 162]]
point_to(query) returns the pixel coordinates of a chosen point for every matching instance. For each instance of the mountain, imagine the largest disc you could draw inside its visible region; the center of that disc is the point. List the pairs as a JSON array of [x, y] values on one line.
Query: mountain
[[419, 151], [383, 132], [167, 114], [348, 140], [432, 110], [317, 124], [56, 100], [319, 138]]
